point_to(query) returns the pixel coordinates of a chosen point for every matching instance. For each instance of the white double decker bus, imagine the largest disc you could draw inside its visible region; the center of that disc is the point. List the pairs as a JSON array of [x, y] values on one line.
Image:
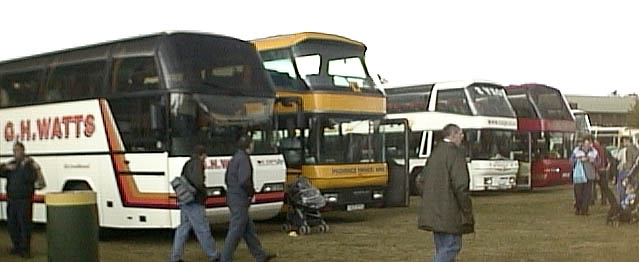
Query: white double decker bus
[[121, 119], [481, 109]]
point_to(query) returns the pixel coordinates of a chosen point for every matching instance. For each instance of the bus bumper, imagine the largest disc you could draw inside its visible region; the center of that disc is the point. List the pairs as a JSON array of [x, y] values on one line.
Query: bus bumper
[[351, 199], [262, 211], [494, 183]]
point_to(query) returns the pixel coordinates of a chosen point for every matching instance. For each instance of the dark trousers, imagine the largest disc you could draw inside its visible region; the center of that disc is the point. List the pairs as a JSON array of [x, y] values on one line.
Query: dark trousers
[[583, 193], [606, 194], [19, 224], [241, 226]]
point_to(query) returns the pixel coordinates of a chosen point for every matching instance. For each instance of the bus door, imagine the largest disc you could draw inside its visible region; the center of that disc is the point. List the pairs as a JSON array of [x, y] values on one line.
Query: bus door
[[522, 152], [148, 175], [395, 139]]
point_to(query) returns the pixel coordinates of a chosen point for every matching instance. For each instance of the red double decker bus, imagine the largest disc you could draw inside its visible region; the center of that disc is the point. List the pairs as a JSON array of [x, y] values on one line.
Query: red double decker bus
[[546, 130]]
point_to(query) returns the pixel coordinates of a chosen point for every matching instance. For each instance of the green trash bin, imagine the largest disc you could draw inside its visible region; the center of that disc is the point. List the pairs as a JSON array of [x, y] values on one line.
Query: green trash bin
[[72, 226]]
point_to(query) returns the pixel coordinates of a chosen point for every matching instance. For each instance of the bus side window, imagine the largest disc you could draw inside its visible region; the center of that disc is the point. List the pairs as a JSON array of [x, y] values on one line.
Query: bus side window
[[134, 74], [135, 124], [76, 81], [4, 97], [19, 88], [452, 101]]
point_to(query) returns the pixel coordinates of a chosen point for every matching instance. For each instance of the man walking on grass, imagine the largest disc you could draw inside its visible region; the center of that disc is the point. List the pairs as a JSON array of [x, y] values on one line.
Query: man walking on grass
[[446, 205]]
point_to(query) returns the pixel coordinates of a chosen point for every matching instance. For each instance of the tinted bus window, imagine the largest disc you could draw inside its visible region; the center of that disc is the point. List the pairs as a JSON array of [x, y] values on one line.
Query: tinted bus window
[[134, 74], [550, 103], [407, 103], [220, 64], [452, 101], [74, 81], [140, 121], [19, 88], [279, 65], [522, 106]]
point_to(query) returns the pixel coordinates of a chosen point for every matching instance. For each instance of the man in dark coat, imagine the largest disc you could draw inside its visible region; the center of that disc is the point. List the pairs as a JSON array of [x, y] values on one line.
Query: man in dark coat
[[21, 173], [446, 205], [193, 215], [239, 192]]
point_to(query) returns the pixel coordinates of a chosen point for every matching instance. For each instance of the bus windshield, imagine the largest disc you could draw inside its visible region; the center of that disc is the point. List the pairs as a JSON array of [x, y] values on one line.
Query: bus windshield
[[552, 145], [490, 100], [489, 144], [550, 103], [339, 140], [229, 66], [344, 66], [215, 122]]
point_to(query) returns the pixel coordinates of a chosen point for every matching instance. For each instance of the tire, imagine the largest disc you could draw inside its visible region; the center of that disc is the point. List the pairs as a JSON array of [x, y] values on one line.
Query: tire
[[414, 190], [323, 228], [305, 230], [285, 228]]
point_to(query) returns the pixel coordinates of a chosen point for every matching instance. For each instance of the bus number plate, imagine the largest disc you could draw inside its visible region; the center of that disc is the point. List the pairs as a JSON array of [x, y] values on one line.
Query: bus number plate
[[354, 207], [565, 175]]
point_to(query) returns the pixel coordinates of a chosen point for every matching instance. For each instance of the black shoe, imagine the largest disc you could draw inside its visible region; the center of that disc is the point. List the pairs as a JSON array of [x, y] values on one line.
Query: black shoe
[[25, 254], [268, 257], [14, 251]]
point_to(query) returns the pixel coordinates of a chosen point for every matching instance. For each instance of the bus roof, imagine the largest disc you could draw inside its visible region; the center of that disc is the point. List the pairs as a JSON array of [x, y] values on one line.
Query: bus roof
[[283, 41], [423, 88], [107, 43]]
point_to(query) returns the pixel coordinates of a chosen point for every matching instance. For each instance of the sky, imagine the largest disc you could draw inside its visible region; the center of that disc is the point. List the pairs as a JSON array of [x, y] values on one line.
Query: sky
[[580, 47]]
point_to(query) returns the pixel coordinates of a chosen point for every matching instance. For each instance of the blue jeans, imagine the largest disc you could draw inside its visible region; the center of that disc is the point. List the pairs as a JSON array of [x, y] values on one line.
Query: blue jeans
[[447, 246], [241, 226], [193, 216]]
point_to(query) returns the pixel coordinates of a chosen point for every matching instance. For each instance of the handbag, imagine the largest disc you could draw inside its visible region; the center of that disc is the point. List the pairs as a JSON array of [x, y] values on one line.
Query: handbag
[[578, 173], [184, 191]]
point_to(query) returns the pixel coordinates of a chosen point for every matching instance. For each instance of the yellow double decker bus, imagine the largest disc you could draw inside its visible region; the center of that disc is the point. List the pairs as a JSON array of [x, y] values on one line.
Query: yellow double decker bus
[[330, 120]]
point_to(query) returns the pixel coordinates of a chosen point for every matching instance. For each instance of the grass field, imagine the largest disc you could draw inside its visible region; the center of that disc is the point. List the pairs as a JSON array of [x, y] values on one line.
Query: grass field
[[536, 226]]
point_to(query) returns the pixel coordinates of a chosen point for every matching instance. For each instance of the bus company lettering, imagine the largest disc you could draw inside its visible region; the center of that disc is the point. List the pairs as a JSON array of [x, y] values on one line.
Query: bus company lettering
[[218, 164], [502, 122], [50, 128], [356, 170]]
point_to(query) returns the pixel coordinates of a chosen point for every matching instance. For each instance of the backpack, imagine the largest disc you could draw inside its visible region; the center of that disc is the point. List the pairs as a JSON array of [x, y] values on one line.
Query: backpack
[[184, 191]]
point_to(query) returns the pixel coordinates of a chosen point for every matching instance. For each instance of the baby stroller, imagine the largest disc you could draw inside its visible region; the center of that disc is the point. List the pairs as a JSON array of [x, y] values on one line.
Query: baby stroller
[[304, 204], [627, 208]]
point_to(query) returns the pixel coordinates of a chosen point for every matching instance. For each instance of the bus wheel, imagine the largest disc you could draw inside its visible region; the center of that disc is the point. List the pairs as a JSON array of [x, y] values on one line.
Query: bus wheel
[[414, 189]]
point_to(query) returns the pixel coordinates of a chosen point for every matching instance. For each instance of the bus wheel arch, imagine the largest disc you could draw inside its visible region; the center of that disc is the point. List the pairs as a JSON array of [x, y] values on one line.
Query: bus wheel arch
[[76, 185]]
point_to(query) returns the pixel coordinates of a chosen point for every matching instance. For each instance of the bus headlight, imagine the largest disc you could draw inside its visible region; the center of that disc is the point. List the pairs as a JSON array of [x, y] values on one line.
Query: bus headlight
[[511, 180], [272, 187], [330, 198], [378, 194], [215, 191], [488, 180]]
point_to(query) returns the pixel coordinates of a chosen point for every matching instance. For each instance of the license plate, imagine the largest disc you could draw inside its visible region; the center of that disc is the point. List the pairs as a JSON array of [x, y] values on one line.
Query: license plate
[[565, 175], [354, 207]]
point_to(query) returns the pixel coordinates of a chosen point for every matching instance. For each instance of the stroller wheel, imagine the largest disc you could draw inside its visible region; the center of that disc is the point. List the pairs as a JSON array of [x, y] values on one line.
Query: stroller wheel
[[285, 227], [323, 228], [305, 230]]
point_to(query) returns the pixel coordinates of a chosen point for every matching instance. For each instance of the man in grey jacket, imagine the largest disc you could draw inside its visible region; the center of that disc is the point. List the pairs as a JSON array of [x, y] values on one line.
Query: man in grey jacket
[[193, 215], [239, 192], [446, 205]]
